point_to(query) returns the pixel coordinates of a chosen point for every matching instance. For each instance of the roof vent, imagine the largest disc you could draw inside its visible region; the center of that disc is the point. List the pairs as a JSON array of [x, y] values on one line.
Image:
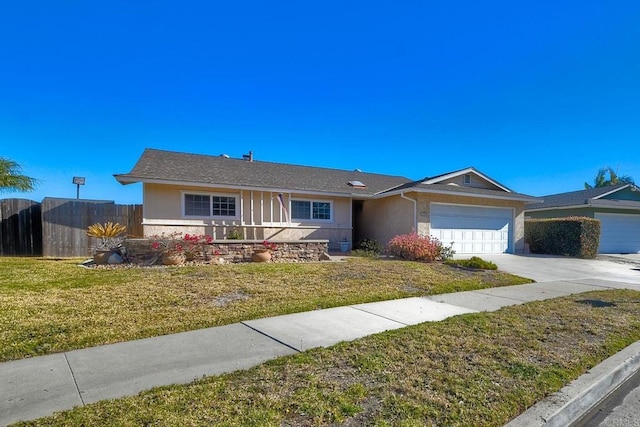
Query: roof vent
[[226, 156], [357, 170], [248, 157], [357, 184]]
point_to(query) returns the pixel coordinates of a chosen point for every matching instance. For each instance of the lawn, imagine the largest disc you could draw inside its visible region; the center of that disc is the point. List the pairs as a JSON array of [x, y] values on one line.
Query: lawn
[[479, 369], [49, 306]]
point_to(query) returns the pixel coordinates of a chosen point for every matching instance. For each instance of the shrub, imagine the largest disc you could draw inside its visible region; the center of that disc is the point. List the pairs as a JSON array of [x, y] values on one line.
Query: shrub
[[235, 234], [194, 245], [414, 247], [191, 246], [367, 247], [473, 262], [572, 236], [109, 233]]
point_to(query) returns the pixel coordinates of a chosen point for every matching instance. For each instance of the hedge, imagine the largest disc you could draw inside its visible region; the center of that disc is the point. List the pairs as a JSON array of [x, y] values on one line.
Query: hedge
[[572, 236]]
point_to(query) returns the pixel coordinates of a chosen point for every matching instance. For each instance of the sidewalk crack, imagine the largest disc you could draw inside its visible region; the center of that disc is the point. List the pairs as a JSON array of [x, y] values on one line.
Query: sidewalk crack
[[273, 338], [380, 316], [75, 382]]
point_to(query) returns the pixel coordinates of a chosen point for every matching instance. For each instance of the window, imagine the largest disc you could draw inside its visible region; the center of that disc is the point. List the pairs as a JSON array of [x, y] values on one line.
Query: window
[[467, 179], [321, 210], [224, 206], [209, 205], [310, 210], [197, 205]]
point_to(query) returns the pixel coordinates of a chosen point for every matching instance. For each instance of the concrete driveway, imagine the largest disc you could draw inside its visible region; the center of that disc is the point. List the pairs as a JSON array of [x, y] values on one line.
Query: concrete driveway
[[546, 268]]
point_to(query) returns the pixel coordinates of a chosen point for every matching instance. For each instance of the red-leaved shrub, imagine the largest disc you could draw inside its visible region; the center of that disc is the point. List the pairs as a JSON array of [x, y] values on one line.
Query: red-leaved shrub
[[414, 247]]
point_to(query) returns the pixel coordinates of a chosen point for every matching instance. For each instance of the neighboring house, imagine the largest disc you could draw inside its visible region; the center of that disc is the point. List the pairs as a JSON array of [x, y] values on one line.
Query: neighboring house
[[617, 207], [198, 194]]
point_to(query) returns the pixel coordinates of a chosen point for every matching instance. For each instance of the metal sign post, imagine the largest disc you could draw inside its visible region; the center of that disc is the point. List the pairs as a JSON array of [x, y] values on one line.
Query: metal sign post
[[78, 180]]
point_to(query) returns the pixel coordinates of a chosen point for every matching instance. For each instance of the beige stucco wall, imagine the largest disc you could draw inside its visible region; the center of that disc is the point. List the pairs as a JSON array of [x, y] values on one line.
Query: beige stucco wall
[[385, 218], [259, 216], [476, 182], [424, 205], [382, 219]]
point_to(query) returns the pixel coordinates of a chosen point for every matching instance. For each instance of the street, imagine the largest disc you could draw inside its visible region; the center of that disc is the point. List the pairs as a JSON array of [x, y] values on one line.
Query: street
[[620, 409]]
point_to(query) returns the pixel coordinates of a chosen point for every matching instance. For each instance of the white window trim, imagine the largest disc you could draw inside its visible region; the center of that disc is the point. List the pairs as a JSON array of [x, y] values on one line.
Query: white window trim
[[183, 193], [299, 220]]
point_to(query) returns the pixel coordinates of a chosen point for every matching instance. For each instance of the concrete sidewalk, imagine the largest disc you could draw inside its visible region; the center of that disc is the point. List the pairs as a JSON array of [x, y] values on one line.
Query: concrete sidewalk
[[36, 387]]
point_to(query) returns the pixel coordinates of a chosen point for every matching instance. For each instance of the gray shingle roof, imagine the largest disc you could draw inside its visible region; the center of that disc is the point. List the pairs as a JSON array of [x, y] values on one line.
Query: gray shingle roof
[[459, 190], [169, 166], [574, 198]]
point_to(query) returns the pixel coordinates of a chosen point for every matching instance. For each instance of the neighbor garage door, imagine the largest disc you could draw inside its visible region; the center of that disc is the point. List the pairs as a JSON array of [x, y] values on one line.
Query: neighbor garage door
[[620, 233], [472, 229]]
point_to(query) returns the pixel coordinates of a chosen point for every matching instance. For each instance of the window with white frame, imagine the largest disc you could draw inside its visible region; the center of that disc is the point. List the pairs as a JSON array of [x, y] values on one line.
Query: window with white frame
[[309, 210], [210, 205]]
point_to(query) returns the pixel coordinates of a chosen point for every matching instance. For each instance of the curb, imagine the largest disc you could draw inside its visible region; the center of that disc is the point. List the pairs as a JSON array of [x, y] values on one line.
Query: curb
[[567, 405]]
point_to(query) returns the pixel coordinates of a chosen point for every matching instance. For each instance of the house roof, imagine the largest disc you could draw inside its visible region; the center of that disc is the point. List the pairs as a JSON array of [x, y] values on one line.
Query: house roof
[[170, 167], [436, 185], [470, 170], [599, 196]]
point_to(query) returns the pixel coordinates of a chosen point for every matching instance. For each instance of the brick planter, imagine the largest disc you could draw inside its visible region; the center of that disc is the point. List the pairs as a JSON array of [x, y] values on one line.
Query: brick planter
[[139, 251]]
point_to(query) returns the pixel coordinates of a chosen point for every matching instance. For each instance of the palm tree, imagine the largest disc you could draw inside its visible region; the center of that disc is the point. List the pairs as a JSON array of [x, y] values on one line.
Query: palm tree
[[11, 178], [614, 179]]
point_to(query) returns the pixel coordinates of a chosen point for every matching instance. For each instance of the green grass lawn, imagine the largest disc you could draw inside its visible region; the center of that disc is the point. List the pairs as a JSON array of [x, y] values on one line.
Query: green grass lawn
[[49, 306], [472, 370]]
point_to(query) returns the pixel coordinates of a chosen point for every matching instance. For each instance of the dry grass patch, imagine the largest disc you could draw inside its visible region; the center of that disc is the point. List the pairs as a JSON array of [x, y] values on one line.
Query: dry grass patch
[[49, 306], [472, 370]]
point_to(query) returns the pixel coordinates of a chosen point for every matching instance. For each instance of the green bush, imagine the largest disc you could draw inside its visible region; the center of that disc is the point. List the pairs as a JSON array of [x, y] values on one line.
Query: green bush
[[571, 236], [368, 247], [473, 262], [235, 234]]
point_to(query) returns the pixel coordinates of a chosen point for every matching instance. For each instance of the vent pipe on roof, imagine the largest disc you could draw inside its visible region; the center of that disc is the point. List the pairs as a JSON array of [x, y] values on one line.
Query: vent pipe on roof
[[248, 157]]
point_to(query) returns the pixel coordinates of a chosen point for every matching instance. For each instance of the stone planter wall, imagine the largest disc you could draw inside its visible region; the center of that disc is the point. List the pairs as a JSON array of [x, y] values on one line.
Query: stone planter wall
[[140, 251]]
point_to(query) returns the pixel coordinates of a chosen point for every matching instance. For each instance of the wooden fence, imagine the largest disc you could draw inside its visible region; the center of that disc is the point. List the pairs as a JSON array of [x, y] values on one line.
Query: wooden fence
[[20, 227], [61, 224]]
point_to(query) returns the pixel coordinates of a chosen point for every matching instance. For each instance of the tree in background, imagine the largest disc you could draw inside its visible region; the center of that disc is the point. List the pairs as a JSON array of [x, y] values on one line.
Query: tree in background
[[614, 179], [11, 178]]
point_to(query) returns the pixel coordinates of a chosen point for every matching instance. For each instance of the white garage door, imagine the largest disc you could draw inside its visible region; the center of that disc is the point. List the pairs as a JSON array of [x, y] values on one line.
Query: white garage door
[[620, 233], [472, 229]]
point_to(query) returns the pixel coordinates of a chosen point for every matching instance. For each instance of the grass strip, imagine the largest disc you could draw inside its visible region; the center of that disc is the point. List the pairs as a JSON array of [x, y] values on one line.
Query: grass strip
[[49, 305], [476, 369]]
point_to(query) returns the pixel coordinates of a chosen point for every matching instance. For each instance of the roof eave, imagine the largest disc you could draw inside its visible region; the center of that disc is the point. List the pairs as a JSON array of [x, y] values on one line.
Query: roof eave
[[582, 206], [613, 191], [128, 179], [465, 171], [509, 196]]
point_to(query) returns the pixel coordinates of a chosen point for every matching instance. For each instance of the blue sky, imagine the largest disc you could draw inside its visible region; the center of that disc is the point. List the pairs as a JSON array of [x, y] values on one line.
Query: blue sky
[[537, 95]]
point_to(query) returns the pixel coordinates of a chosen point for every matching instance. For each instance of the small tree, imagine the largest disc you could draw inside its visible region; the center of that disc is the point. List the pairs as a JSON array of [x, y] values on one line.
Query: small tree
[[11, 178], [601, 180]]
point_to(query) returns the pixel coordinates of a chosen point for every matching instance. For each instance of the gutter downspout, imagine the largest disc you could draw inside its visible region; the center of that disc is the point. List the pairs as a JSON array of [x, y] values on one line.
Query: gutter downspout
[[415, 211]]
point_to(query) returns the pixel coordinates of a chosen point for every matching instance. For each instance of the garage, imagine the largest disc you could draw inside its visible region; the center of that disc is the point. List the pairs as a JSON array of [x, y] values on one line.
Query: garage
[[620, 233], [473, 229]]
